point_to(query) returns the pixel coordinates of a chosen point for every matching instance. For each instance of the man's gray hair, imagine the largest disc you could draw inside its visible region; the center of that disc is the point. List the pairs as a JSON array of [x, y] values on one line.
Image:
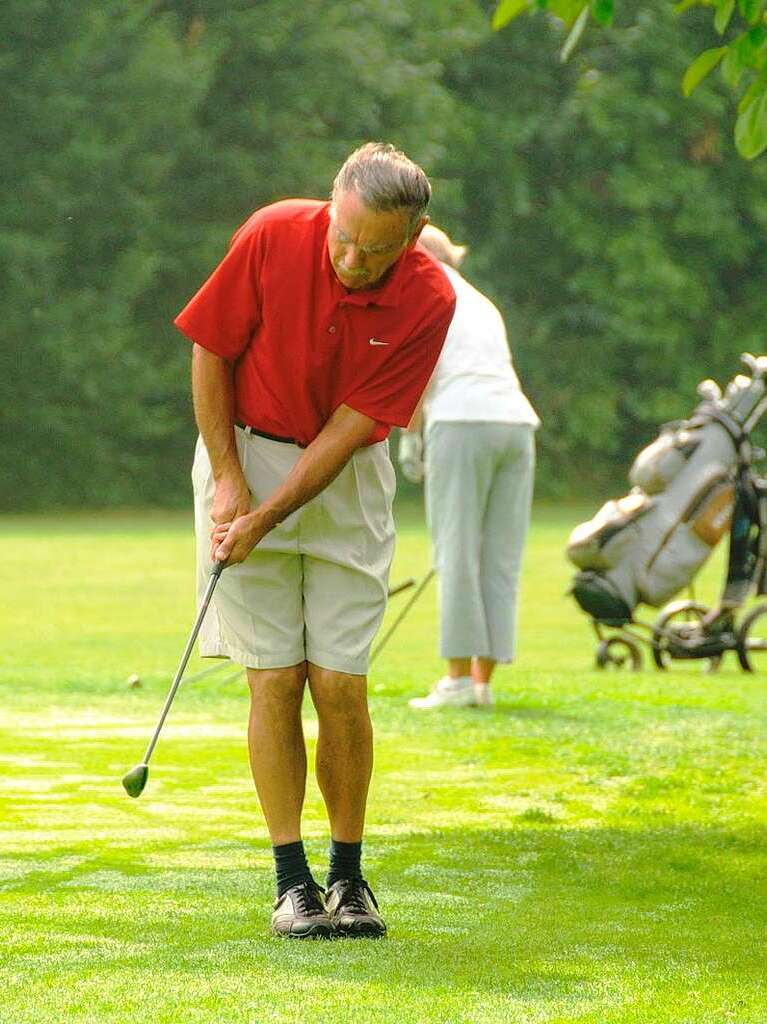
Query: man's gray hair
[[385, 180]]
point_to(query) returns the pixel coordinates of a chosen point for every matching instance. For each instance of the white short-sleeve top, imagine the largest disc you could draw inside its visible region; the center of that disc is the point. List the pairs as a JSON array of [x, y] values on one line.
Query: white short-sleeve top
[[474, 379]]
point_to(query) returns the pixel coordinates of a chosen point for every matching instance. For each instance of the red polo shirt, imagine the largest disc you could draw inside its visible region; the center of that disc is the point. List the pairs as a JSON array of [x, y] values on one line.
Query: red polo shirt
[[302, 344]]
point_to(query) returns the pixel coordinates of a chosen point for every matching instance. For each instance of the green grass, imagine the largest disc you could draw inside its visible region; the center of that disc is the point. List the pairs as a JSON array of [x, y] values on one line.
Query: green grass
[[592, 850]]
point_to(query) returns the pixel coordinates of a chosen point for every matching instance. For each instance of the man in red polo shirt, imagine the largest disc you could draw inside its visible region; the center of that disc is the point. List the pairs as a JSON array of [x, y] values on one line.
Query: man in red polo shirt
[[315, 335]]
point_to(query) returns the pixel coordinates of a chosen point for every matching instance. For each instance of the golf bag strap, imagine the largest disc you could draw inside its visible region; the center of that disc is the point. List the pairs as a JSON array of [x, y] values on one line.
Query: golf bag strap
[[744, 541]]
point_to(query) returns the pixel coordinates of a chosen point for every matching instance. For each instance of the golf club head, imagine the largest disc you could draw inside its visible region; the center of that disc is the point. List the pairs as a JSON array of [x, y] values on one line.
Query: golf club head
[[135, 780]]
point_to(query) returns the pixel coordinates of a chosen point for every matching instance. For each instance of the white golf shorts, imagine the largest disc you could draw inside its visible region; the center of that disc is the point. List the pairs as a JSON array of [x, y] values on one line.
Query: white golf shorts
[[314, 589]]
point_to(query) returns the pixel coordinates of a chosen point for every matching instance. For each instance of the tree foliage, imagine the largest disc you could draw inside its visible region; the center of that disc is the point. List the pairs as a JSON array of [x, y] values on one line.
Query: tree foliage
[[742, 56], [609, 217], [95, 98], [139, 135]]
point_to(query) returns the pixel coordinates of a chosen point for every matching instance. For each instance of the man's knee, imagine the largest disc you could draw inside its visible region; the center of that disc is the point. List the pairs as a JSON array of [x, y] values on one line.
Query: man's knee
[[338, 695], [277, 685]]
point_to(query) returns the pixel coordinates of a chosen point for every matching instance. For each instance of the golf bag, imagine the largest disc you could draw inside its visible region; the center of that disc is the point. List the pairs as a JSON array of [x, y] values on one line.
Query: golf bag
[[646, 546]]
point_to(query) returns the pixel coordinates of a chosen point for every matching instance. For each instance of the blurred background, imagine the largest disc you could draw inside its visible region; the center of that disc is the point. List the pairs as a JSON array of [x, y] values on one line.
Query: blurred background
[[609, 218]]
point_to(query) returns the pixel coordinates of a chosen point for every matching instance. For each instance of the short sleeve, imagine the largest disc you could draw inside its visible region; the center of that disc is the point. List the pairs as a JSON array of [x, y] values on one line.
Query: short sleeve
[[225, 312], [392, 394]]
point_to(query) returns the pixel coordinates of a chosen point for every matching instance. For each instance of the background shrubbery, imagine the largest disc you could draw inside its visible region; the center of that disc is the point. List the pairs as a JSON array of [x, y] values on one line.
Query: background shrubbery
[[610, 218]]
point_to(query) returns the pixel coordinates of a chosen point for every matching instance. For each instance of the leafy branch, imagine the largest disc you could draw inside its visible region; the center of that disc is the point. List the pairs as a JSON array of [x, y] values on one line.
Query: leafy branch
[[741, 57]]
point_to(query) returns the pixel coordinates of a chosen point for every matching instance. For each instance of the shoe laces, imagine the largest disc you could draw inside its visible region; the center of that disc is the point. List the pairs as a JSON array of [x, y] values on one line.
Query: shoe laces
[[307, 898], [353, 895]]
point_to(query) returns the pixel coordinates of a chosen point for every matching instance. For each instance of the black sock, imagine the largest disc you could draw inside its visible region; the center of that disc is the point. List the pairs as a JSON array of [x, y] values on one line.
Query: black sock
[[290, 864], [344, 861]]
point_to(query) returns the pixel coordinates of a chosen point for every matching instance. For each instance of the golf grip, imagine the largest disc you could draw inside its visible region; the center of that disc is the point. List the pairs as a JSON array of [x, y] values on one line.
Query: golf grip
[[215, 575]]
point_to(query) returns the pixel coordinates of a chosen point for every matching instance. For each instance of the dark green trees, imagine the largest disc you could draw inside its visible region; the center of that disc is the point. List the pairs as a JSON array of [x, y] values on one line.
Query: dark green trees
[[610, 218]]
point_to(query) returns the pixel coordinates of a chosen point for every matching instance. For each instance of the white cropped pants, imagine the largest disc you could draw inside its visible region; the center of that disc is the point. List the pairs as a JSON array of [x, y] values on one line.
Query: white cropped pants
[[479, 485]]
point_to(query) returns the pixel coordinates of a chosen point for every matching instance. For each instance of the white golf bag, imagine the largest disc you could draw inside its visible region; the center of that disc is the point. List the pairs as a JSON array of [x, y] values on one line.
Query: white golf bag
[[646, 546]]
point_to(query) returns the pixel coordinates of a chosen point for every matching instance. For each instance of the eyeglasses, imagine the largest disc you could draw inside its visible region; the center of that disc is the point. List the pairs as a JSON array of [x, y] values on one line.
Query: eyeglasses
[[364, 250]]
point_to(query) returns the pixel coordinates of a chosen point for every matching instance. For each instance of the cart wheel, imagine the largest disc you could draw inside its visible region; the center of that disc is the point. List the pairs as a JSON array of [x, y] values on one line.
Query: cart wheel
[[752, 640], [677, 620], [619, 652]]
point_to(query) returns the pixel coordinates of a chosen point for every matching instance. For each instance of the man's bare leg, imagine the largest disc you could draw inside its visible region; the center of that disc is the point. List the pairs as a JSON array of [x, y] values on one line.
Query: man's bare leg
[[344, 749], [278, 762], [344, 767], [277, 749]]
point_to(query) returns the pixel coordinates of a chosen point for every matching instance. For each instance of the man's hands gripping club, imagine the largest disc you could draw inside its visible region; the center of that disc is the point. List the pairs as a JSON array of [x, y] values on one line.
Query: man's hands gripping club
[[236, 528], [213, 393], [231, 505], [232, 497], [232, 542], [319, 464]]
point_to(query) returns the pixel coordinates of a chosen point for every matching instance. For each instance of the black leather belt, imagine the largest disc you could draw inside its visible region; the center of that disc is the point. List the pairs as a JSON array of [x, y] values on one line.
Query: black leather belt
[[269, 437]]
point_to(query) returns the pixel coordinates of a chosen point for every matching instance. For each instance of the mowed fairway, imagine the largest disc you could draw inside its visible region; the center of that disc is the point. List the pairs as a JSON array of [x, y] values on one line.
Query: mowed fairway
[[593, 849]]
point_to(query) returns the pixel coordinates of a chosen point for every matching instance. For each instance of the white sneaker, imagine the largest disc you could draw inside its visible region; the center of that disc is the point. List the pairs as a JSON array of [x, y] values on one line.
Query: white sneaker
[[483, 695], [447, 692]]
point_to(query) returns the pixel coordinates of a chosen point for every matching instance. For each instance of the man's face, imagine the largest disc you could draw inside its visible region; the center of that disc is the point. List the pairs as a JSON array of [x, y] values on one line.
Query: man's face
[[363, 244]]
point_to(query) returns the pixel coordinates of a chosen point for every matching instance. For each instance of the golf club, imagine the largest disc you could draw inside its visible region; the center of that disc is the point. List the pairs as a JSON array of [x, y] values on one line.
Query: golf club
[[136, 779], [387, 636], [399, 587], [210, 671]]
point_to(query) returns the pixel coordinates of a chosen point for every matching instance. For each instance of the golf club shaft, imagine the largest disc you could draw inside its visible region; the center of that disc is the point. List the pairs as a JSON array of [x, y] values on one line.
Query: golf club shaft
[[399, 587], [210, 671], [214, 577], [385, 639]]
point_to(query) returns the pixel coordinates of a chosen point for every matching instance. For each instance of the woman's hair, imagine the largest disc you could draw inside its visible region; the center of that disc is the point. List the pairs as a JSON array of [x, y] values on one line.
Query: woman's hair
[[440, 245]]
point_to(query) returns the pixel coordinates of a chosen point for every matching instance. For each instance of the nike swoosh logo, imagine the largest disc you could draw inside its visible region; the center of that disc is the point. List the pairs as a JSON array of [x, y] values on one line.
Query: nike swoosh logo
[[373, 341]]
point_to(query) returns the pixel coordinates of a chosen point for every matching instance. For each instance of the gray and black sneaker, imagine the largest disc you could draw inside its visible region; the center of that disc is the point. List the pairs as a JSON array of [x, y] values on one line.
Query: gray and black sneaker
[[300, 913], [353, 909]]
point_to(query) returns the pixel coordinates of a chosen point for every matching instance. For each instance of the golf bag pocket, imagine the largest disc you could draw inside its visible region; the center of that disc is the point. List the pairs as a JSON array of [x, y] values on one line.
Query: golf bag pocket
[[687, 545], [604, 540], [660, 462], [711, 520], [599, 597]]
